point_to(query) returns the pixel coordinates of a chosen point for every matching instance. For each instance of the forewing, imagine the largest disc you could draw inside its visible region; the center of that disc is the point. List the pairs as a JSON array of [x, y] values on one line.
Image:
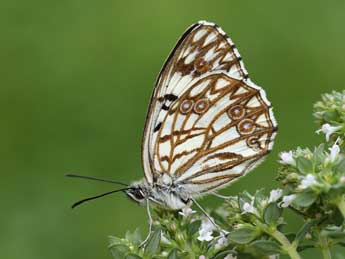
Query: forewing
[[215, 132], [204, 49]]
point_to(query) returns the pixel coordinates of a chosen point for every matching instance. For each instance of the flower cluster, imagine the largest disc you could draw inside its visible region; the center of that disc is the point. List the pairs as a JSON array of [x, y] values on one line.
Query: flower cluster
[[311, 185], [314, 180], [330, 115], [183, 234]]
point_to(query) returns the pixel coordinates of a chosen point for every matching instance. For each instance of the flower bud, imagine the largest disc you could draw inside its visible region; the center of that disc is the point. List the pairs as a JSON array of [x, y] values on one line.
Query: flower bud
[[293, 177], [179, 237]]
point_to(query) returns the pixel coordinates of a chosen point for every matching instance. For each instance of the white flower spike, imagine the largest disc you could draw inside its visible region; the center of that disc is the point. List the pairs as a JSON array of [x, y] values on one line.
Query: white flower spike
[[328, 130], [308, 181], [248, 207], [206, 230], [207, 225], [275, 195], [287, 200], [205, 236], [287, 158], [186, 212], [333, 152]]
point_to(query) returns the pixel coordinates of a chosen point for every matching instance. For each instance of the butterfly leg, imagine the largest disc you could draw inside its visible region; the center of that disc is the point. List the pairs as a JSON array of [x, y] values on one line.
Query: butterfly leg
[[221, 196], [150, 224], [222, 231]]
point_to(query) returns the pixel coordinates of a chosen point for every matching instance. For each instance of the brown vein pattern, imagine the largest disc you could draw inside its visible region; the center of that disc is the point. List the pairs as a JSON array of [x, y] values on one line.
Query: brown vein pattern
[[187, 141]]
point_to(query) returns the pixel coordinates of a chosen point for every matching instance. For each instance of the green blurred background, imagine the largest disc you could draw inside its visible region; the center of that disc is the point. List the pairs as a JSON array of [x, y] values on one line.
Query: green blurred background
[[76, 76]]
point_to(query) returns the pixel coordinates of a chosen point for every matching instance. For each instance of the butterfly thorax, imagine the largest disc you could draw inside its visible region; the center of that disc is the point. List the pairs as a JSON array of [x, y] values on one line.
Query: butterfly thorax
[[162, 194]]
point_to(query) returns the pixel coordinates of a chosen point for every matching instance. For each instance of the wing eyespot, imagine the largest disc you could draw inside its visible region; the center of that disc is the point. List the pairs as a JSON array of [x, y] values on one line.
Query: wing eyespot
[[201, 105], [246, 127], [201, 65], [237, 112], [186, 106], [253, 142]]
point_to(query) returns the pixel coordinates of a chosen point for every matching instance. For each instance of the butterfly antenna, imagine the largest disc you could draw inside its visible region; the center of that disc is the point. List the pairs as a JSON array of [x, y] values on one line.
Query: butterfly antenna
[[94, 179], [96, 197]]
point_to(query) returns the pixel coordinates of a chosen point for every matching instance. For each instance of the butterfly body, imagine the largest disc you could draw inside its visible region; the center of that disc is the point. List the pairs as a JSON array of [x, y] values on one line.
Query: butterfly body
[[164, 195]]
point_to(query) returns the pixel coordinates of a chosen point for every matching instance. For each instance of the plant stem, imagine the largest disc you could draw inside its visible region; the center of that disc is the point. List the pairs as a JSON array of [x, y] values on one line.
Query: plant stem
[[325, 247], [287, 246], [341, 205]]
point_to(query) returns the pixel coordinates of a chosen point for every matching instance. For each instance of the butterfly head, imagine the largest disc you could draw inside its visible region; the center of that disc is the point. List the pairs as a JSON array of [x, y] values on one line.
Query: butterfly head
[[138, 192]]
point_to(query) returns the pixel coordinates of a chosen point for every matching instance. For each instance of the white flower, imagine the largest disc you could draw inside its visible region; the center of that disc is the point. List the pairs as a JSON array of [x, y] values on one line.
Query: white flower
[[333, 152], [328, 130], [165, 254], [275, 195], [164, 239], [287, 158], [202, 257], [248, 207], [205, 235], [287, 200], [206, 230], [207, 225], [221, 242], [342, 179], [307, 181], [186, 212]]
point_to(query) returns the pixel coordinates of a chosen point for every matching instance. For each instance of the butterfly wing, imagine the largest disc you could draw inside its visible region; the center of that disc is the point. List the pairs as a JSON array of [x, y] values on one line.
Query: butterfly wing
[[228, 130], [189, 132]]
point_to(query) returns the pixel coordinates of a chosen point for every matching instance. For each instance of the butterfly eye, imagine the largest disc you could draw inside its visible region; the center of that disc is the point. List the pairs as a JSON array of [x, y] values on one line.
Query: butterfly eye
[[201, 105], [201, 65], [237, 112], [186, 106], [246, 127], [138, 194]]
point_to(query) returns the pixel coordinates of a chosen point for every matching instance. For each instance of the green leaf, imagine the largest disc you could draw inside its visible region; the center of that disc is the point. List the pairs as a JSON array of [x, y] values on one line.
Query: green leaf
[[132, 256], [134, 237], [272, 214], [335, 233], [305, 229], [114, 241], [223, 254], [259, 196], [304, 165], [340, 167], [243, 235], [330, 116], [153, 243], [193, 227], [267, 247], [244, 197], [119, 251], [173, 254], [305, 199], [304, 247], [341, 244], [290, 236], [319, 154]]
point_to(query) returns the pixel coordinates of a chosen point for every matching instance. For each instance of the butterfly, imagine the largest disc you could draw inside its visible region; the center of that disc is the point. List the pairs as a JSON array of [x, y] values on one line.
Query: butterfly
[[207, 124]]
